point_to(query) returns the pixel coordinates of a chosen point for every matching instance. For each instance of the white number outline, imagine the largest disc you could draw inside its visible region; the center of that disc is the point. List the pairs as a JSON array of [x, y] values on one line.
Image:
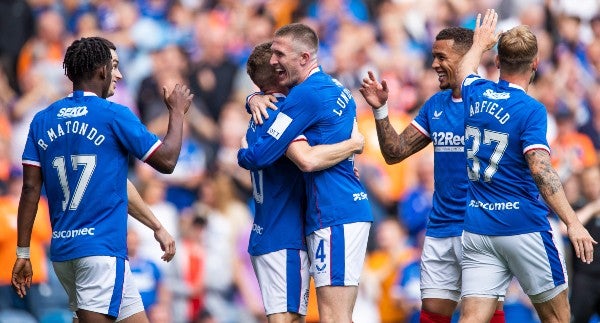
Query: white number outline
[[501, 140], [89, 164]]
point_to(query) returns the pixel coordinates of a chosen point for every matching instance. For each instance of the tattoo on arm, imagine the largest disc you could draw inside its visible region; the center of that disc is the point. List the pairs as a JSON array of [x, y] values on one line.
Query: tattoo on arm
[[395, 148], [544, 175]]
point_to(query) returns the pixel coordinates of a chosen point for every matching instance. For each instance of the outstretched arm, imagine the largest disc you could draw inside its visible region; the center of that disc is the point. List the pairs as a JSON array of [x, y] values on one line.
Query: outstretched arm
[[484, 38], [394, 148], [138, 209], [315, 158], [550, 187]]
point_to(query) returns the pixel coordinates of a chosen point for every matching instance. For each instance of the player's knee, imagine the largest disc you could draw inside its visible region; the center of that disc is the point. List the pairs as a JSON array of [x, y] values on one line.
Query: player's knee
[[550, 295]]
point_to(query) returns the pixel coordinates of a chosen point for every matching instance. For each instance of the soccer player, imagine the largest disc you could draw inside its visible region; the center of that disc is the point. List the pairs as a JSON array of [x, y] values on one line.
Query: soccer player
[[277, 244], [508, 162], [338, 216], [440, 121], [78, 149]]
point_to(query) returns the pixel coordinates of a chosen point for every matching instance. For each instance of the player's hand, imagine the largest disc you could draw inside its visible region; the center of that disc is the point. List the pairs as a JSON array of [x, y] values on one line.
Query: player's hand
[[167, 243], [179, 99], [356, 173], [21, 276], [375, 93], [582, 242], [484, 34], [358, 138], [259, 104]]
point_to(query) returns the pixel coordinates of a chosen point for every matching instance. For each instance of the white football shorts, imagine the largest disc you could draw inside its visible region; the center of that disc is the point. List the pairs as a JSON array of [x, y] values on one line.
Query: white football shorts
[[100, 284], [283, 279], [489, 263], [440, 268], [337, 253]]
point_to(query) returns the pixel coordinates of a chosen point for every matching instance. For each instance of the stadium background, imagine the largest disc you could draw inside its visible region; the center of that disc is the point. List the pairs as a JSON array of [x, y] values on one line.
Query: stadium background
[[205, 203]]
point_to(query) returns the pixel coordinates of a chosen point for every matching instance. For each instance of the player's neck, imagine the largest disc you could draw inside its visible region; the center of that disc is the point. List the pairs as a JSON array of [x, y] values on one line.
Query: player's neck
[[309, 70], [519, 79], [88, 87]]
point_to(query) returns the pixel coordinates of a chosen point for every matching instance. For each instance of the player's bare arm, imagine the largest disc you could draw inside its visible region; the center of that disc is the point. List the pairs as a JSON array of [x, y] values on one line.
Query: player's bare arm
[[28, 205], [315, 158], [395, 148], [258, 105], [550, 187], [484, 38], [138, 209], [178, 102]]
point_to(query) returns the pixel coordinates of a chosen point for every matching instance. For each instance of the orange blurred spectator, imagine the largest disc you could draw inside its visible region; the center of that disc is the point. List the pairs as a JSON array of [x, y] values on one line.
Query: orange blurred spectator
[[572, 151], [383, 265], [40, 239], [46, 47]]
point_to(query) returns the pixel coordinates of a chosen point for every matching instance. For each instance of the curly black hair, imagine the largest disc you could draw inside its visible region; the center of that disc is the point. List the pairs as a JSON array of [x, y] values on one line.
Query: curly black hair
[[85, 55]]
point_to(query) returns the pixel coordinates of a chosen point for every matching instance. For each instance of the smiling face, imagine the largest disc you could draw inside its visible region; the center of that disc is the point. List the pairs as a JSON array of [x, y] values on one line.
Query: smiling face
[[445, 63], [115, 74], [288, 61]]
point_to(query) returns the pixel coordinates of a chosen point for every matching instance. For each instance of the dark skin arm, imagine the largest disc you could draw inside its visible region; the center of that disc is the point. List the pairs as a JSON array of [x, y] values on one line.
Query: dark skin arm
[[178, 102], [28, 205], [551, 189]]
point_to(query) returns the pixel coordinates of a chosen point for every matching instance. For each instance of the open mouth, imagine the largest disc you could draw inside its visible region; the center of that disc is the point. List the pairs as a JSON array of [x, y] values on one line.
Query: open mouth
[[280, 73], [442, 77]]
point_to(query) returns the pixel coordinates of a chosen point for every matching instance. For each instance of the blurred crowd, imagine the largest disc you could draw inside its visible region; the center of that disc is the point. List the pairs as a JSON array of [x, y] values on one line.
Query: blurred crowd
[[206, 203]]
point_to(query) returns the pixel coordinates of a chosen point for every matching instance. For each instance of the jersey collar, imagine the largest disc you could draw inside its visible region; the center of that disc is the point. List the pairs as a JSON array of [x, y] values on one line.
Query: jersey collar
[[504, 83], [81, 93]]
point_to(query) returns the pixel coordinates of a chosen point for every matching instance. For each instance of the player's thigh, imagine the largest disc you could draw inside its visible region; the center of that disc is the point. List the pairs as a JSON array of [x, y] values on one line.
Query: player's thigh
[[285, 318], [337, 254], [336, 303], [100, 284], [554, 310], [484, 271], [441, 270], [534, 253], [477, 309], [283, 279]]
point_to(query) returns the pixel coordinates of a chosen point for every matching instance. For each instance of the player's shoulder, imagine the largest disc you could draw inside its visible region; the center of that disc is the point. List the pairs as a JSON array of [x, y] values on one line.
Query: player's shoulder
[[474, 79], [439, 98], [114, 106], [520, 97], [49, 110]]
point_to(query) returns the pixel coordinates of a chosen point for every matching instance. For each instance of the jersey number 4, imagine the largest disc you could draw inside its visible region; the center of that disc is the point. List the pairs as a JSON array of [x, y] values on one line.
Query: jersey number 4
[[501, 140], [89, 164]]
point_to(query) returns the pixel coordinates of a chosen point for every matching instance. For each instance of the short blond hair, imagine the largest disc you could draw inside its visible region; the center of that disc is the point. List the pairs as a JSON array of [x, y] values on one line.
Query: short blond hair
[[517, 48]]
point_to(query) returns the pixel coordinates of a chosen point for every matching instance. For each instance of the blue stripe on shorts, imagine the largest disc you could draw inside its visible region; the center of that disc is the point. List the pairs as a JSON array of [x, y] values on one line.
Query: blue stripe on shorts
[[558, 276], [294, 280], [338, 257], [117, 296]]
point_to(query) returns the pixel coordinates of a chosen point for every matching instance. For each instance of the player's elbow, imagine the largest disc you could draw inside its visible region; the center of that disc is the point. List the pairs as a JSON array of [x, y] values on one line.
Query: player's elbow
[[167, 167], [306, 165]]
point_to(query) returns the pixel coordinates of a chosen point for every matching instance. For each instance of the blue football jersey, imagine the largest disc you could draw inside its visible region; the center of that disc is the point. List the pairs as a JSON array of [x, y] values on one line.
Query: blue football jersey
[[442, 119], [279, 199], [82, 143], [502, 124], [324, 111]]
